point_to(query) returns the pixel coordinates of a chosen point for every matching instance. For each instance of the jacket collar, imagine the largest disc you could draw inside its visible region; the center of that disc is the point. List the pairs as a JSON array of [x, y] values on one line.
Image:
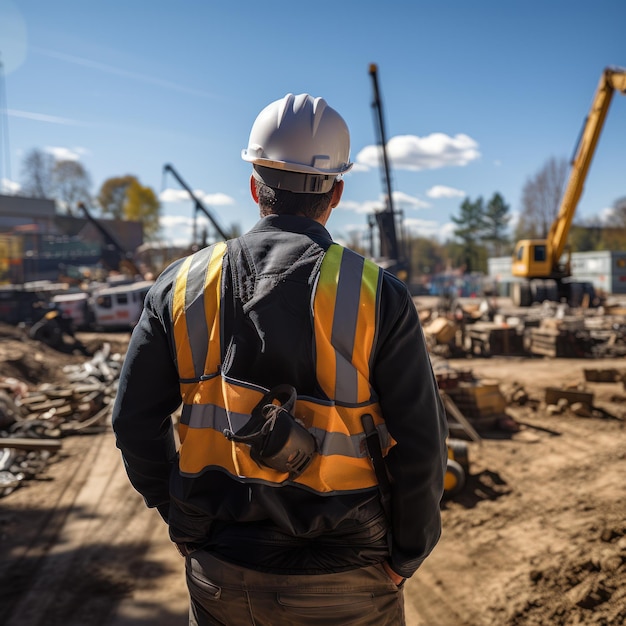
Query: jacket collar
[[292, 224]]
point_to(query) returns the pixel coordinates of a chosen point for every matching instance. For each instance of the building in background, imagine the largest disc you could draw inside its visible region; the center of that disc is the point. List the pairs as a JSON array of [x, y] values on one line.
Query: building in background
[[36, 243]]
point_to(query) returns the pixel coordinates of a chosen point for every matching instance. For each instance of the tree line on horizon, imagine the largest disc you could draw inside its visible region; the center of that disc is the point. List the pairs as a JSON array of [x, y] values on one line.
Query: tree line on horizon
[[482, 228]]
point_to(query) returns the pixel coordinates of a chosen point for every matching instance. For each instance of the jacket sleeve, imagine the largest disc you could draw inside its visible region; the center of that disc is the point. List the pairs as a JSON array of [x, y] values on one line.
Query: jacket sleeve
[[415, 417], [148, 394]]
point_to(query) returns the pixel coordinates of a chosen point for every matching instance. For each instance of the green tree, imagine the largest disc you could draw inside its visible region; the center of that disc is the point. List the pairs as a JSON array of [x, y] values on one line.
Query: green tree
[[112, 195], [142, 205], [496, 219], [125, 198], [471, 227], [427, 256]]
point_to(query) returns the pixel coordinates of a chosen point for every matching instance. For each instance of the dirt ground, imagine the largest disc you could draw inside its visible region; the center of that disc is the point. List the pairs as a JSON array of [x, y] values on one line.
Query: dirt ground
[[537, 537]]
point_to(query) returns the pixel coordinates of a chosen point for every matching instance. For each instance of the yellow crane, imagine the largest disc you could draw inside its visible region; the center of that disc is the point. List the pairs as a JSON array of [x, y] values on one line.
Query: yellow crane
[[540, 263]]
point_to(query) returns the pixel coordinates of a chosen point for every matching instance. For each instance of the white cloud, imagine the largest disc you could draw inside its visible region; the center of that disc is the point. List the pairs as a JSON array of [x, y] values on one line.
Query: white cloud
[[359, 167], [606, 214], [441, 191], [410, 152], [429, 228], [404, 199], [371, 206], [181, 195], [9, 187], [66, 154], [178, 229], [360, 207]]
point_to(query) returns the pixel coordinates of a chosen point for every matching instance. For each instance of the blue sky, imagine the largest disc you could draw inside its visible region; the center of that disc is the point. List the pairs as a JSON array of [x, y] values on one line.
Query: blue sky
[[483, 93]]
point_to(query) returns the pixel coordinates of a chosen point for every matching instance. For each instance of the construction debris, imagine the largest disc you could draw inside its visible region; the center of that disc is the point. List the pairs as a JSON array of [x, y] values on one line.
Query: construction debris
[[551, 330], [33, 421]]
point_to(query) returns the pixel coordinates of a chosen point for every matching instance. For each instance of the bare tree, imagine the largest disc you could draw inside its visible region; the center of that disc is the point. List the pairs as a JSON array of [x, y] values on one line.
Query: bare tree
[[37, 178], [541, 197], [71, 183], [618, 216]]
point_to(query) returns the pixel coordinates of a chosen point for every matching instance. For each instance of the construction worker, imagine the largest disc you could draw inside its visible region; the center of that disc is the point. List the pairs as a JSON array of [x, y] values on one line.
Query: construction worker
[[307, 484]]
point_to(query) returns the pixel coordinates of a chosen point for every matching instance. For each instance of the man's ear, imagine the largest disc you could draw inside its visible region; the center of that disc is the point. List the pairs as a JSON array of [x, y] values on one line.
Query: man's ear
[[337, 193], [253, 191]]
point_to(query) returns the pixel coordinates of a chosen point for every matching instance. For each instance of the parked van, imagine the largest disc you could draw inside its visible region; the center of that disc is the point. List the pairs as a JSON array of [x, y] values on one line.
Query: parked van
[[120, 306]]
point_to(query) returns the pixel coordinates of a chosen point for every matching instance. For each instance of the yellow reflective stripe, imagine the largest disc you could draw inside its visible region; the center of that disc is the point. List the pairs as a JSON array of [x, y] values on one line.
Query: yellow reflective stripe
[[212, 297], [184, 358], [343, 359], [196, 311], [366, 326], [323, 316]]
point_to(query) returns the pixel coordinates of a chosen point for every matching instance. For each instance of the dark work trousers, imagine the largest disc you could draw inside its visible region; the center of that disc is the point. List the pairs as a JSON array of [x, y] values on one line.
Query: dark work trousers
[[224, 594]]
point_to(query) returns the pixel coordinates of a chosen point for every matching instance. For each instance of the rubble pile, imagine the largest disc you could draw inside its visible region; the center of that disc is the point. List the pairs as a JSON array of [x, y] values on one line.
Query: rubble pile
[[34, 419]]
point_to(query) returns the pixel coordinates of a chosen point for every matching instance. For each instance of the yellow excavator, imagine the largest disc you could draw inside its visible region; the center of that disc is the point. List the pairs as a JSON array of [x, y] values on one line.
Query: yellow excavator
[[540, 264]]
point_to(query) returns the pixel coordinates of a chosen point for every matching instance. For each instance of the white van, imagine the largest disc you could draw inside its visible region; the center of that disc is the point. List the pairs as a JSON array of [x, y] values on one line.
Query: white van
[[120, 306], [75, 306]]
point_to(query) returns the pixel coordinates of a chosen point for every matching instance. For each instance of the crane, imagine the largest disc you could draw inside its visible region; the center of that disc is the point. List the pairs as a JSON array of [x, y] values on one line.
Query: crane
[[538, 261], [198, 204], [114, 256], [393, 257]]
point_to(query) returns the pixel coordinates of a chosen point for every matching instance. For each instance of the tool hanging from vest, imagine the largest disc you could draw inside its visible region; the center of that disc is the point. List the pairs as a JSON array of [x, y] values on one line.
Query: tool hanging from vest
[[375, 451], [276, 438]]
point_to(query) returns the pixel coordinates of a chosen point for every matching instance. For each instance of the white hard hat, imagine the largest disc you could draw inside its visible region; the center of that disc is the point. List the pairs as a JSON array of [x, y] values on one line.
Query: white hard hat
[[299, 143]]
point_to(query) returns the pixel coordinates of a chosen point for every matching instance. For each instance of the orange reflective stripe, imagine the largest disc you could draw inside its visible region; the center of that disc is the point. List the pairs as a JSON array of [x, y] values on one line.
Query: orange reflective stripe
[[345, 315], [203, 448]]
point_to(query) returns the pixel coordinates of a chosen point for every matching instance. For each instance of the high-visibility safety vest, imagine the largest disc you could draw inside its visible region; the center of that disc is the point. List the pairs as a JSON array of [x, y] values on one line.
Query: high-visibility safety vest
[[345, 311]]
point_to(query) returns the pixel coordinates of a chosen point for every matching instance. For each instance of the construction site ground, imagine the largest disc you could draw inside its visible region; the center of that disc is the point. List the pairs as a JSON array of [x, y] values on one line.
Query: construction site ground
[[537, 537]]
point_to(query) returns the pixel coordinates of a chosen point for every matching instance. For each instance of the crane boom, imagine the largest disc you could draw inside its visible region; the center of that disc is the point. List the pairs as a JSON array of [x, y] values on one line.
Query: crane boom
[[198, 204], [118, 257], [537, 260], [612, 79], [385, 219]]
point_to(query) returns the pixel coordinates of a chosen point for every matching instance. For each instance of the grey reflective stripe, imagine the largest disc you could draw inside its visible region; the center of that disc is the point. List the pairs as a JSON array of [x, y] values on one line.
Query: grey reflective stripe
[[216, 418], [211, 416], [194, 311], [344, 325]]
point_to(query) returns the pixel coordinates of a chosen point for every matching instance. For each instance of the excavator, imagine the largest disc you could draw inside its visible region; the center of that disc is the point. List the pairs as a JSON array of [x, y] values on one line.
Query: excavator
[[393, 255], [540, 264]]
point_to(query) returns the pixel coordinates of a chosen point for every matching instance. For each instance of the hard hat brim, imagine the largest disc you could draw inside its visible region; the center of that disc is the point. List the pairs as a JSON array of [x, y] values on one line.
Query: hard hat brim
[[293, 167]]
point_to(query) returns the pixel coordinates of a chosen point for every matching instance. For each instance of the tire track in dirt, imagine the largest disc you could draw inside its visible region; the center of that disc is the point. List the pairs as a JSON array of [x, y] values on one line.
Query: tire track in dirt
[[93, 556]]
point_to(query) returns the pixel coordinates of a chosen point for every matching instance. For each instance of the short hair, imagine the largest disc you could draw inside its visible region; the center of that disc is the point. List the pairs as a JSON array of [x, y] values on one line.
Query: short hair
[[274, 201]]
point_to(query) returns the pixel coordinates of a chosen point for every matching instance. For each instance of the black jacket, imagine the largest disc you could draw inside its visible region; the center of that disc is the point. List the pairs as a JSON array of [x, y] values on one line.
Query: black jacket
[[287, 530]]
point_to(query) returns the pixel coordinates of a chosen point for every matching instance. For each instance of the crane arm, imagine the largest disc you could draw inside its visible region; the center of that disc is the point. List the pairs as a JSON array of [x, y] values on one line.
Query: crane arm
[[198, 204], [612, 79], [124, 257], [386, 218]]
